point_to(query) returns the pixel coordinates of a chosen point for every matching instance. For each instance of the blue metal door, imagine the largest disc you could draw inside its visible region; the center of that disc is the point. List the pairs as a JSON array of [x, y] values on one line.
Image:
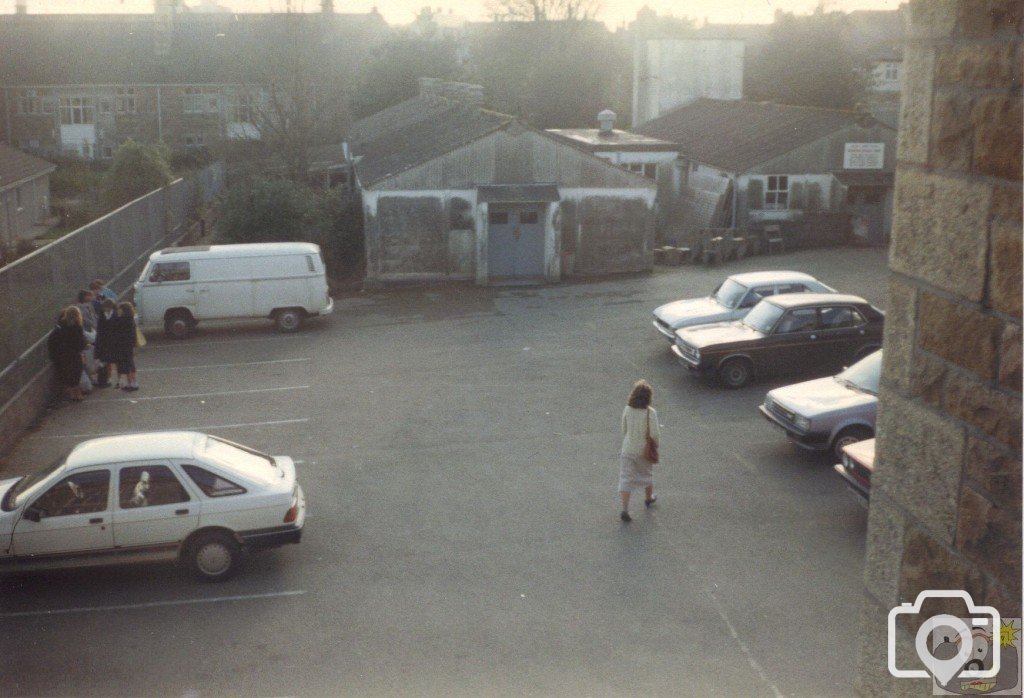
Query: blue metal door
[[515, 242]]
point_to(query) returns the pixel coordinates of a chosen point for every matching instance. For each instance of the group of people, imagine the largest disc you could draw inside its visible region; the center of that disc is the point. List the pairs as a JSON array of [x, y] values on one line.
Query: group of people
[[92, 336]]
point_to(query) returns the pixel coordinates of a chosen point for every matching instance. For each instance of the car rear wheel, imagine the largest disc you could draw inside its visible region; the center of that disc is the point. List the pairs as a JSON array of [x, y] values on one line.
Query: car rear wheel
[[735, 373], [213, 557], [850, 435], [288, 320], [179, 324]]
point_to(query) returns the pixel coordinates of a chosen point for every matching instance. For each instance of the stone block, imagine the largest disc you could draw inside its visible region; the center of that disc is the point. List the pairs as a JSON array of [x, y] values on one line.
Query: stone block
[[952, 132], [990, 411], [1010, 375], [1006, 602], [1005, 290], [983, 19], [961, 334], [939, 231], [989, 536], [933, 19], [996, 120], [928, 378], [873, 677], [994, 471], [916, 105], [1008, 204], [919, 461], [979, 66], [900, 324], [928, 564], [886, 527]]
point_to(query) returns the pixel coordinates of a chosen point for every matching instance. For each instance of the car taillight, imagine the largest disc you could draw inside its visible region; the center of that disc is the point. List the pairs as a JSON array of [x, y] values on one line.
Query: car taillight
[[293, 513]]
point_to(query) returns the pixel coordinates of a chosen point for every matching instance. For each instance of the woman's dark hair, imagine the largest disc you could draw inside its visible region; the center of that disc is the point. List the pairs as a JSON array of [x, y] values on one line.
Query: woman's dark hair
[[82, 295], [640, 395], [125, 309]]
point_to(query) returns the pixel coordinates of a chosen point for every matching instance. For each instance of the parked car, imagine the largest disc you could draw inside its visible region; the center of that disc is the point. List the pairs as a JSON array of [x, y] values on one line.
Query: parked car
[[856, 468], [829, 413], [182, 286], [732, 299], [795, 332], [149, 497]]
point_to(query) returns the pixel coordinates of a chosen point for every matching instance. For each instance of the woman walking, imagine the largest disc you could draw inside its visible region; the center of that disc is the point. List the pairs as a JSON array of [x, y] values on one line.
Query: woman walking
[[639, 422], [65, 345]]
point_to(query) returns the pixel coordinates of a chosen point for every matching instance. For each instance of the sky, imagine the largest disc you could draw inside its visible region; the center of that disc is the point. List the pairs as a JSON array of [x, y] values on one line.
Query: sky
[[613, 12]]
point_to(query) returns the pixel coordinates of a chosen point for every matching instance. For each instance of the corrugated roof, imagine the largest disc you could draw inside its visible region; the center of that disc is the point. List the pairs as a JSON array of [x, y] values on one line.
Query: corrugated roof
[[16, 166], [737, 135], [401, 141], [525, 193]]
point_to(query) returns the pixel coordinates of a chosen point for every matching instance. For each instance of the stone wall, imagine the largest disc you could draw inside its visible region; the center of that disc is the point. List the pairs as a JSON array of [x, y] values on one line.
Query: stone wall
[[946, 495]]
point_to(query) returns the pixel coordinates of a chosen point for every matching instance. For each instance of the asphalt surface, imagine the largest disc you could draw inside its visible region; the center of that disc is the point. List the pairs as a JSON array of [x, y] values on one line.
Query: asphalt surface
[[458, 447]]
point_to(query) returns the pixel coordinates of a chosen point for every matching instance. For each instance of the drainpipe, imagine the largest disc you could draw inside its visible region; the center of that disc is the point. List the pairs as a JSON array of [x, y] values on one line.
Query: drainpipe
[[7, 110], [735, 198], [159, 117]]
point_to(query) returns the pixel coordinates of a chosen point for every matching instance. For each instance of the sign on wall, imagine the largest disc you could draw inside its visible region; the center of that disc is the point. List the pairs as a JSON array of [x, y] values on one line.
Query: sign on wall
[[864, 156]]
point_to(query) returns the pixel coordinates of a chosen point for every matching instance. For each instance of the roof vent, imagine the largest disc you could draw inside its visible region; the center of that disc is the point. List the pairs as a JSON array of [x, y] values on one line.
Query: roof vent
[[607, 121]]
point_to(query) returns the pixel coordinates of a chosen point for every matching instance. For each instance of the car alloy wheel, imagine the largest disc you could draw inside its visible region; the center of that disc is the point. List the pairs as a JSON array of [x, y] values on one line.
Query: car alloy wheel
[[214, 557], [735, 373]]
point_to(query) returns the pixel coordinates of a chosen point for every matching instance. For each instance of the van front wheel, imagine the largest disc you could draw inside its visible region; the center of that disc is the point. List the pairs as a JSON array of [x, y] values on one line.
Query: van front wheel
[[288, 320], [178, 324]]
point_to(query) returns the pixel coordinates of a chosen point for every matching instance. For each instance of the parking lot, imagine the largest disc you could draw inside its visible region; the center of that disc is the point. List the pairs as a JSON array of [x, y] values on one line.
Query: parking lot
[[458, 448]]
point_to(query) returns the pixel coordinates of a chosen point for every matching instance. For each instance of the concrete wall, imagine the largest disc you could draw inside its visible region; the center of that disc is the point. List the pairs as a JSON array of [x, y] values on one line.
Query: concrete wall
[[668, 73], [607, 232], [23, 206], [946, 496]]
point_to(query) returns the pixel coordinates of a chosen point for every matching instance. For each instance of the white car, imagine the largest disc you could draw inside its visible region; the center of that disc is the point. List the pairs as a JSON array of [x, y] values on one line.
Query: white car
[[149, 497], [732, 299]]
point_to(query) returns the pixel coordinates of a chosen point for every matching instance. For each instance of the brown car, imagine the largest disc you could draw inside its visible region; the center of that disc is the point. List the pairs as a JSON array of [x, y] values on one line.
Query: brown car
[[857, 468], [814, 333]]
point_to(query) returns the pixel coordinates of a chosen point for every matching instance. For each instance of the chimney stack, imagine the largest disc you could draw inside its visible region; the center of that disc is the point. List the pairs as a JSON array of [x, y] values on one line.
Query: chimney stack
[[21, 7], [606, 119]]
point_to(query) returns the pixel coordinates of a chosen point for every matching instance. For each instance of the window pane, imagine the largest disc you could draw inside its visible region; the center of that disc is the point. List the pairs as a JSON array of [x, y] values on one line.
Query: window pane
[[148, 486], [528, 217], [81, 493], [211, 484], [834, 318], [799, 320], [170, 271], [497, 218]]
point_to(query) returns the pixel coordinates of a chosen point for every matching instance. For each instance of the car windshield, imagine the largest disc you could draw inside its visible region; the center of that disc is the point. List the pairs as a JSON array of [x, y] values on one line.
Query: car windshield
[[249, 462], [763, 317], [730, 293], [10, 501], [864, 375]]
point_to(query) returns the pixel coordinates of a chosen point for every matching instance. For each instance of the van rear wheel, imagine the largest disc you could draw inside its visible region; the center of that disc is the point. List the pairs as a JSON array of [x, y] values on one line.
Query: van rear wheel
[[289, 319], [179, 324]]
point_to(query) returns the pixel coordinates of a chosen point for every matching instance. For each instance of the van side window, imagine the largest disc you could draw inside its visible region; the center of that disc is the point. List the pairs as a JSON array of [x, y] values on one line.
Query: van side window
[[309, 262], [170, 271]]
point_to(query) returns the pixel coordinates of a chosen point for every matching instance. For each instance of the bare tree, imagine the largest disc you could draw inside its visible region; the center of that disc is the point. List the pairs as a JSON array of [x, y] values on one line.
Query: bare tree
[[540, 10]]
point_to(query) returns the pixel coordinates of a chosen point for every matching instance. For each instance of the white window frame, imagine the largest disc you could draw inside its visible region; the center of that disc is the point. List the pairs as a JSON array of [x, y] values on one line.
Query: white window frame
[[776, 192], [77, 110], [124, 101]]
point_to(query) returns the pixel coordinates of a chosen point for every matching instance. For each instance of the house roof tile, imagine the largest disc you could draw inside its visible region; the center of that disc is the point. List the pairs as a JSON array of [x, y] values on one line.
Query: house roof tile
[[16, 166]]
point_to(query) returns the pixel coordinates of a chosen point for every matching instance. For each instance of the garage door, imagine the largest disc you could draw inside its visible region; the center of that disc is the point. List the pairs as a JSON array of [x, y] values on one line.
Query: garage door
[[515, 242]]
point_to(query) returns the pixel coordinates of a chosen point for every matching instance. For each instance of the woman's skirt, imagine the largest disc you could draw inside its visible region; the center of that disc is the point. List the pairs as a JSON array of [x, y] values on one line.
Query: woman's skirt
[[68, 368], [634, 473]]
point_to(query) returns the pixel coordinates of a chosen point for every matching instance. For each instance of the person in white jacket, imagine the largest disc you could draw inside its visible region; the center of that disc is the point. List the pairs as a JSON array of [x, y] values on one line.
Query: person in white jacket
[[635, 471]]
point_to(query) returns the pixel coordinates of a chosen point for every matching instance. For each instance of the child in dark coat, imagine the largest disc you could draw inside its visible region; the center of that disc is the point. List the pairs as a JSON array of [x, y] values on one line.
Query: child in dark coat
[[104, 352], [66, 344]]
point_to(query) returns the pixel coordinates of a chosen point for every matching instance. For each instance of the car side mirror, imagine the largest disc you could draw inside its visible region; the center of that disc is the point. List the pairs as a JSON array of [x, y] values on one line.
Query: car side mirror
[[32, 514]]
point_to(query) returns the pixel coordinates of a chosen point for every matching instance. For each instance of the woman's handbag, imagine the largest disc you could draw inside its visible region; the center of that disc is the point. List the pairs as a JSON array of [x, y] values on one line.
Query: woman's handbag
[[140, 339], [651, 450]]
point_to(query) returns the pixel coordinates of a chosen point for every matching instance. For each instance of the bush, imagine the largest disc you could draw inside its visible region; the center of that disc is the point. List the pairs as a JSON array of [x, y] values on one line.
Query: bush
[[342, 238], [138, 169], [268, 210]]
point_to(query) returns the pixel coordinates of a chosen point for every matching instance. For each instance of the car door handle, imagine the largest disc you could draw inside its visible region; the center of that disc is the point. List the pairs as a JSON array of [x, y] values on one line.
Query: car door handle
[[181, 512], [96, 520]]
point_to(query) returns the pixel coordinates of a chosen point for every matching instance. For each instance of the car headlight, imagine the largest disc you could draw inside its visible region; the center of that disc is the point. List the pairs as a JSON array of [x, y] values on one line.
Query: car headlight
[[802, 422]]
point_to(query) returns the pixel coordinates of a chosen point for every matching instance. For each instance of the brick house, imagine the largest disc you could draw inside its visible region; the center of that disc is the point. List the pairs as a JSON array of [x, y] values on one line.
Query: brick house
[[24, 194], [83, 84]]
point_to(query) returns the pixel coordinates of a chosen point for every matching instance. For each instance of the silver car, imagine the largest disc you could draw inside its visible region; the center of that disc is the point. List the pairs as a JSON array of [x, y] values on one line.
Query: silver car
[[732, 299], [829, 413]]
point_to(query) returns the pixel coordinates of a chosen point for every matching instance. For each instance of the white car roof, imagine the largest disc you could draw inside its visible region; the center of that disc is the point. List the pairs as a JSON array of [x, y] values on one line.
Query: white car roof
[[255, 249], [764, 277], [159, 445]]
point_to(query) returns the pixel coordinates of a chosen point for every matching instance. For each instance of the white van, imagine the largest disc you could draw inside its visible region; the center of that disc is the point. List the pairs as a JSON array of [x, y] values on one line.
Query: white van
[[283, 281]]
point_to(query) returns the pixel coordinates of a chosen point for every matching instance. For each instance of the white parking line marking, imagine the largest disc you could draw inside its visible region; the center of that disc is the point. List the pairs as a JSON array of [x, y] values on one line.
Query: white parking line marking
[[206, 427], [151, 604], [247, 363], [192, 395]]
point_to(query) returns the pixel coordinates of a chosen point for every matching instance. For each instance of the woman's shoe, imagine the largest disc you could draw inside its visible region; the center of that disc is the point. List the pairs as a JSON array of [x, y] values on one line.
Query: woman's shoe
[[626, 518], [649, 502]]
